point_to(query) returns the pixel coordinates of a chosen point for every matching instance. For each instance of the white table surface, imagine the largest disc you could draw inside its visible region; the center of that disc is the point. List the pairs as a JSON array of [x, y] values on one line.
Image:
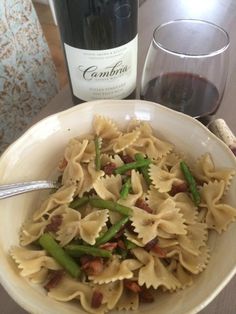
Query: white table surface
[[152, 13]]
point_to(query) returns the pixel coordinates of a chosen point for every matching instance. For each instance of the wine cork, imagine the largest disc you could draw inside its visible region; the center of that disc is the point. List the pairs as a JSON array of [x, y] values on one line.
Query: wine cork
[[220, 128]]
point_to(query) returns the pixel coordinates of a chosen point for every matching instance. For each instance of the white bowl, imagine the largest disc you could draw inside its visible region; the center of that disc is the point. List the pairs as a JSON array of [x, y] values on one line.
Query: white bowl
[[35, 156]]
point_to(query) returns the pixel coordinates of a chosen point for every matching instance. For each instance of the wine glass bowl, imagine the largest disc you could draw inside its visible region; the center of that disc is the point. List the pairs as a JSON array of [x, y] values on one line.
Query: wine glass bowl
[[186, 67]]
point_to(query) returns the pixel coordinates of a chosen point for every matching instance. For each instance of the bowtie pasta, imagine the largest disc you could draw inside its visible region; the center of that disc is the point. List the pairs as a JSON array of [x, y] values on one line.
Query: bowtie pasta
[[132, 216]]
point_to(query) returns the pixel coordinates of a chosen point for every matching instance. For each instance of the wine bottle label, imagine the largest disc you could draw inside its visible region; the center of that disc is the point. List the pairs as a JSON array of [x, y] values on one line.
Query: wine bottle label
[[103, 74]]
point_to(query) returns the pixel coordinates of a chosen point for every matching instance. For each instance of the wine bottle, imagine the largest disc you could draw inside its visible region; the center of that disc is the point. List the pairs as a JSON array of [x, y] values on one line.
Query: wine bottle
[[99, 38]]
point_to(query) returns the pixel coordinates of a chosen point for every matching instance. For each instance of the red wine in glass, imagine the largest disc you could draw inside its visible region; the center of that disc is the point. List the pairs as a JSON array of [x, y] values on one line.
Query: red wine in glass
[[186, 67], [184, 92]]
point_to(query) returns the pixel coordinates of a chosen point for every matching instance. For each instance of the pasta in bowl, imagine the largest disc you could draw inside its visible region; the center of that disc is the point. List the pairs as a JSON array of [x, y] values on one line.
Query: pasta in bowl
[[141, 212]]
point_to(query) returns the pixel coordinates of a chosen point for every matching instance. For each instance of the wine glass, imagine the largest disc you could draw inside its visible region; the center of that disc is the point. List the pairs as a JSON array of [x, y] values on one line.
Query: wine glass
[[186, 67]]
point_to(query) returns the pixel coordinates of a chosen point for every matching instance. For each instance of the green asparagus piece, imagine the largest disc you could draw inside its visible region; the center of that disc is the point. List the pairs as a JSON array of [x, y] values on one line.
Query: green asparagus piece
[[132, 165], [77, 250], [100, 203], [191, 182], [125, 189], [79, 202], [111, 232], [129, 245], [65, 260], [97, 153], [144, 169]]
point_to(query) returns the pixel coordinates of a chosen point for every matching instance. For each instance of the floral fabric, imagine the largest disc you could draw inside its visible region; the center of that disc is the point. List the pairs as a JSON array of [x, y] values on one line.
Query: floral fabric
[[27, 74]]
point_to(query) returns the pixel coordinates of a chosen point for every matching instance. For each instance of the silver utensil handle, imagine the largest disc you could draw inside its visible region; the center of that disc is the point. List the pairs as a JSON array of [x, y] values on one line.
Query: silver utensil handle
[[8, 190]]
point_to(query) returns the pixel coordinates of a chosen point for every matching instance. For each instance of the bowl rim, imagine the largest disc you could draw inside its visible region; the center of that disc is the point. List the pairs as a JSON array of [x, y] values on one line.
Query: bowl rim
[[111, 101]]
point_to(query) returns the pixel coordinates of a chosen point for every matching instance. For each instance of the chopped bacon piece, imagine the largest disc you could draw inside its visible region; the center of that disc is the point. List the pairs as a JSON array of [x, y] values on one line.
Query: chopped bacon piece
[[109, 246], [143, 205], [132, 285], [96, 299], [127, 159], [145, 295], [93, 267], [85, 258], [54, 224], [159, 251], [148, 246], [179, 187], [109, 168], [121, 244], [62, 164], [54, 280]]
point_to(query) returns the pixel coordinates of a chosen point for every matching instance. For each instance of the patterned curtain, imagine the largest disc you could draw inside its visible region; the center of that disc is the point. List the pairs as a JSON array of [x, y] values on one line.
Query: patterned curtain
[[27, 74]]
